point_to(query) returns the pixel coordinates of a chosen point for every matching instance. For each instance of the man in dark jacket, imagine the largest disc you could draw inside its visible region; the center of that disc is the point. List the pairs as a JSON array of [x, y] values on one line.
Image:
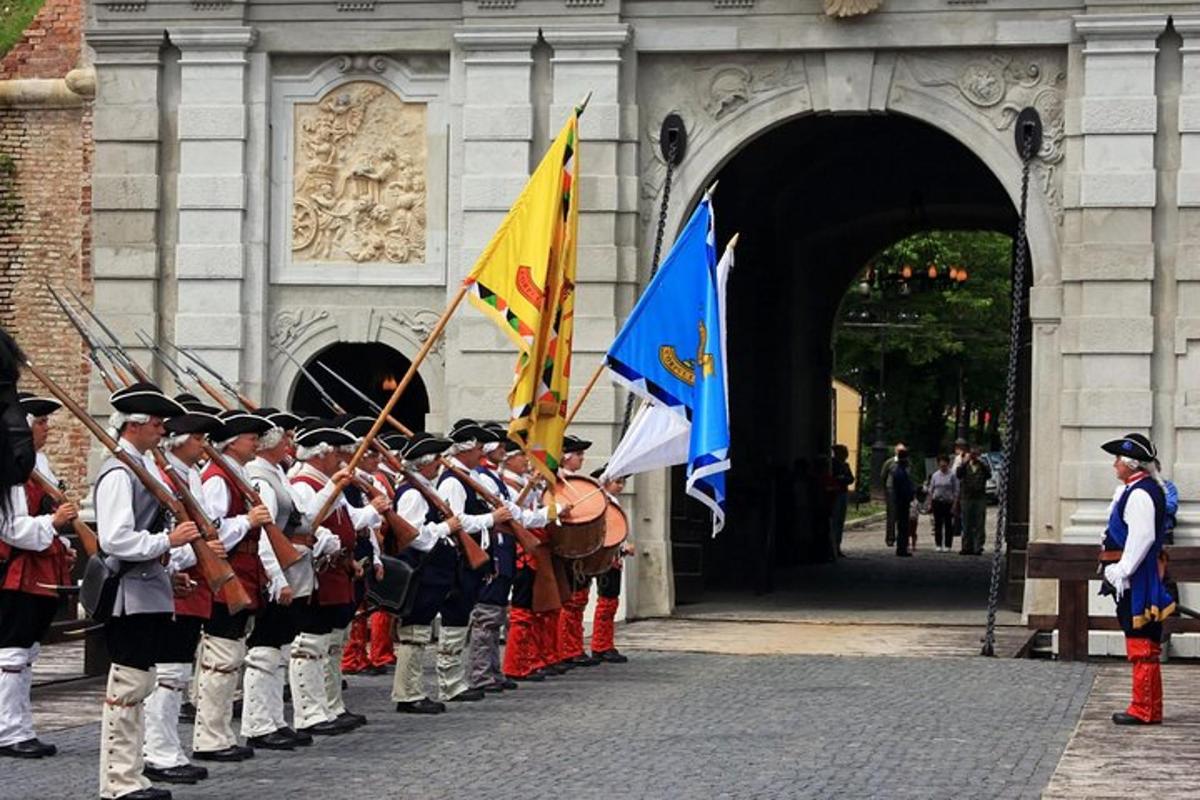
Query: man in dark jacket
[[902, 497], [973, 476]]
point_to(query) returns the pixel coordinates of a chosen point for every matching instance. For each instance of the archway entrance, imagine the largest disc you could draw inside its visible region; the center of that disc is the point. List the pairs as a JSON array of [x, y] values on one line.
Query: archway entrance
[[815, 199], [373, 368]]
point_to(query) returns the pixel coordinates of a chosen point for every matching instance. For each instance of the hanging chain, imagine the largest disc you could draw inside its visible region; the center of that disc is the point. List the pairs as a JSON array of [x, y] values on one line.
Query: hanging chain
[[672, 154], [1010, 400]]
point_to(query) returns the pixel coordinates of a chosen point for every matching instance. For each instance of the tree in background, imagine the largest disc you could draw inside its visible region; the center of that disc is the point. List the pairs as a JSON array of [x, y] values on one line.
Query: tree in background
[[940, 337]]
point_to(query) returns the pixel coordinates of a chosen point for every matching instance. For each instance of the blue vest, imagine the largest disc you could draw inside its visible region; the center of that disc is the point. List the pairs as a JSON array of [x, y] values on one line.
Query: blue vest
[[503, 551], [1149, 599], [438, 567]]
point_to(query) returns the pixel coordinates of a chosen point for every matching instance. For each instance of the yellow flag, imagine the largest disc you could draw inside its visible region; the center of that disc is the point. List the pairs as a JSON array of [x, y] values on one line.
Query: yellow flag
[[525, 281]]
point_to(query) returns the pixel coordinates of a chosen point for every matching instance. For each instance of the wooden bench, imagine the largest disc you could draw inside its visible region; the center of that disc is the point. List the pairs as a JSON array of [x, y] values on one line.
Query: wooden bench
[[1073, 565]]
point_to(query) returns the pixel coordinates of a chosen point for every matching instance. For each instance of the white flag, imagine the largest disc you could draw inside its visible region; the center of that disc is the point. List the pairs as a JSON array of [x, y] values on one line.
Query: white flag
[[657, 437]]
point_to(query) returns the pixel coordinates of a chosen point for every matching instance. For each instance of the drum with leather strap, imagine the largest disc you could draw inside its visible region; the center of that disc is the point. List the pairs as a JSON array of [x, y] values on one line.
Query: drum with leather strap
[[616, 530], [579, 531]]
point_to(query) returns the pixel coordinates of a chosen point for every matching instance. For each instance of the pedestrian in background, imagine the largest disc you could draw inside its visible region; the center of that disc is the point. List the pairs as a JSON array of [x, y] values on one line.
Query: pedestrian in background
[[902, 496], [943, 494], [895, 515], [841, 478], [972, 488]]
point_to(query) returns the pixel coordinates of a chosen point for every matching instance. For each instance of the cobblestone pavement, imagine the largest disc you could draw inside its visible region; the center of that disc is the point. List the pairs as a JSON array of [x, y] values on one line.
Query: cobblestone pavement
[[671, 725]]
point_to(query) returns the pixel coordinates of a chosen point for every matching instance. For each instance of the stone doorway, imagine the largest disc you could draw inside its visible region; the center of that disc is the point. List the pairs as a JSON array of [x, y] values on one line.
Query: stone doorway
[[814, 199], [373, 368]]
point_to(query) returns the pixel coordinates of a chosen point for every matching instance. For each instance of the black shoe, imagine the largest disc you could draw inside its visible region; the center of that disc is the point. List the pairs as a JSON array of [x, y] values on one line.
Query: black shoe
[[233, 753], [533, 677], [351, 720], [381, 669], [890, 541], [905, 554], [611, 656], [329, 727], [1122, 718], [153, 793], [422, 706], [272, 741], [200, 772], [585, 661], [187, 711], [47, 749], [492, 688], [469, 696], [30, 748], [184, 774], [508, 684], [561, 667], [301, 739]]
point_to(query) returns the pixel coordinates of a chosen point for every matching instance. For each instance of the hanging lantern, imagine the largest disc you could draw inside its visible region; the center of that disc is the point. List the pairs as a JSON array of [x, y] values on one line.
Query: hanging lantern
[[954, 273], [933, 272], [962, 275], [906, 272]]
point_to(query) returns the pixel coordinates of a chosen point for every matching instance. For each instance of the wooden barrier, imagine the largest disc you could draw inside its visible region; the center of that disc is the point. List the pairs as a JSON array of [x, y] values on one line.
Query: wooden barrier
[[1073, 565]]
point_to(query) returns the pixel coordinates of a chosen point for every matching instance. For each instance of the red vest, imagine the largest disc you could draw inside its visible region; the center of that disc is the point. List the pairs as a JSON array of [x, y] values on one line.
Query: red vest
[[244, 558], [28, 568], [199, 602], [334, 584]]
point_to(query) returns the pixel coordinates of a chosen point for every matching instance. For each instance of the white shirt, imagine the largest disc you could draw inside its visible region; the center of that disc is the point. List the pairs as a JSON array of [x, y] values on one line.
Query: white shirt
[[309, 503], [21, 530], [216, 502], [114, 518], [1139, 516], [324, 541], [414, 508], [455, 495], [183, 557], [528, 517]]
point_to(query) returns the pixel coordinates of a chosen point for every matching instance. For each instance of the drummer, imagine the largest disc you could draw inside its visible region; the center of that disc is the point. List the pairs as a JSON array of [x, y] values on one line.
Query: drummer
[[570, 618], [608, 584]]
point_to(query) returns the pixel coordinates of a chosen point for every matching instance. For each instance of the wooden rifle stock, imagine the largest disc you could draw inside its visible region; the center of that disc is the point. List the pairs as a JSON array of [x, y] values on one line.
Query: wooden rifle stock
[[87, 536], [216, 570], [545, 585], [285, 552], [476, 556], [217, 397], [404, 532], [155, 487]]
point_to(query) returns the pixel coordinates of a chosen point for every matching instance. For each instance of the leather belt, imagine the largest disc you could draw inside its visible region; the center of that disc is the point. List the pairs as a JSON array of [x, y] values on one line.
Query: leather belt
[[1111, 556], [306, 539]]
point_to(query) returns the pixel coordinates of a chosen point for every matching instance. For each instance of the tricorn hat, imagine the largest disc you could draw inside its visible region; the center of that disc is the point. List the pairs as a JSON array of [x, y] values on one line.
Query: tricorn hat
[[425, 444], [36, 406], [466, 430], [573, 444], [1131, 445], [145, 398], [326, 433], [193, 422], [235, 423], [193, 403]]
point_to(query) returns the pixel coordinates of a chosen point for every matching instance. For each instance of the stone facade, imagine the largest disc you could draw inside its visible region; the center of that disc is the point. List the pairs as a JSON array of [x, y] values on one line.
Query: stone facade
[[201, 201], [45, 205]]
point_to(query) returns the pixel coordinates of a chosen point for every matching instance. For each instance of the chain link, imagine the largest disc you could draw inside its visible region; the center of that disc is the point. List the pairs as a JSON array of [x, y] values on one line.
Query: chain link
[[672, 153], [1011, 379]]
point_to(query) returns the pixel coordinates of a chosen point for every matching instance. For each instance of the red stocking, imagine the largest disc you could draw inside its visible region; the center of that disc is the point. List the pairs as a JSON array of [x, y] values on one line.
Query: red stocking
[[382, 654], [570, 625], [1143, 654], [521, 651], [602, 624], [354, 655]]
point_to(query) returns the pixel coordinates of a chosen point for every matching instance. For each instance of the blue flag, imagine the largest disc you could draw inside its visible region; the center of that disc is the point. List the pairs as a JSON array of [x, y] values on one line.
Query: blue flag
[[671, 352]]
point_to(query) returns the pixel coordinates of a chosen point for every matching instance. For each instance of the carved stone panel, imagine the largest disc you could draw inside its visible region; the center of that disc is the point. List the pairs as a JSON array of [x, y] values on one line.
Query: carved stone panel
[[359, 177]]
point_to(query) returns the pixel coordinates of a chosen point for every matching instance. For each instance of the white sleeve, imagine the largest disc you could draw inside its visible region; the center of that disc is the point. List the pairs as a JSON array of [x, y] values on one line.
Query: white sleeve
[[216, 502], [266, 554], [456, 497], [182, 558], [365, 517], [20, 529], [1139, 516], [412, 507], [534, 517], [114, 522]]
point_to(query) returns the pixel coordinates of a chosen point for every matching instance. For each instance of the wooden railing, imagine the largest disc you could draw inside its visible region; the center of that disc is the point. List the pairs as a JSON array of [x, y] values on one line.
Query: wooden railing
[[1073, 565]]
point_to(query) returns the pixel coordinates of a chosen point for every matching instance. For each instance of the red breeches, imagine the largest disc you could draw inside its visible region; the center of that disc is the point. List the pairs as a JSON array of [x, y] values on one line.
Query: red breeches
[[521, 649], [381, 652], [570, 624], [602, 624], [354, 654], [1147, 702]]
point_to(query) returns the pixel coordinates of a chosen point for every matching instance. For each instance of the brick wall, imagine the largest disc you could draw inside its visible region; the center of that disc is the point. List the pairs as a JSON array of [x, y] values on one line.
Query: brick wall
[[45, 219]]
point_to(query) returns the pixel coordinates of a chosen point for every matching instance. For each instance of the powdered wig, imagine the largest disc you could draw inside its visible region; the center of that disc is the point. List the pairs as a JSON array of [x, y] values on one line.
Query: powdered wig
[[271, 439], [175, 440], [462, 447], [315, 451], [119, 419], [422, 461]]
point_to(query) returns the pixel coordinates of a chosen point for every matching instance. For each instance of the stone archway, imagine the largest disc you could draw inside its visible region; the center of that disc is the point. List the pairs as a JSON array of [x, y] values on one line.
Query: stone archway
[[970, 99]]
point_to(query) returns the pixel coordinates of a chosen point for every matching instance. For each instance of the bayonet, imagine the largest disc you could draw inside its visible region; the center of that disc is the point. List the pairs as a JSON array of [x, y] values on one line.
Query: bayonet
[[371, 404], [174, 367], [132, 365], [88, 341], [329, 401], [200, 362]]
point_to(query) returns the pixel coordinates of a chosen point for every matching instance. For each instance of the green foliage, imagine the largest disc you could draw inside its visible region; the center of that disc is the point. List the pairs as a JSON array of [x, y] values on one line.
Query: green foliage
[[15, 16], [934, 336]]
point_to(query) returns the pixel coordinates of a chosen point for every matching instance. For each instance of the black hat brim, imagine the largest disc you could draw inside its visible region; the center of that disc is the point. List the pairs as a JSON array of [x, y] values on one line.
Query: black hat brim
[[239, 422], [1127, 448], [430, 446], [39, 406], [145, 398], [332, 436], [192, 422]]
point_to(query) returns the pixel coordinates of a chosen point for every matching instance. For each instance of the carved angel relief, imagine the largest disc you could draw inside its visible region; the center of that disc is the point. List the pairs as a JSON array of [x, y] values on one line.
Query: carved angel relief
[[850, 8], [359, 179]]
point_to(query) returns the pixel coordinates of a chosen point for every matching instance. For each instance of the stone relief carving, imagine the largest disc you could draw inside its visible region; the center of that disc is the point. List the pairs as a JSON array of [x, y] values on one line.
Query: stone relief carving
[[359, 175], [419, 322], [290, 326], [717, 90], [999, 87], [850, 8]]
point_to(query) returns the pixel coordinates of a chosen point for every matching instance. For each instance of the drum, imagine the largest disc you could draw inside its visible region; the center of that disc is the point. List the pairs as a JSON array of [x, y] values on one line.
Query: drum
[[580, 531], [616, 530]]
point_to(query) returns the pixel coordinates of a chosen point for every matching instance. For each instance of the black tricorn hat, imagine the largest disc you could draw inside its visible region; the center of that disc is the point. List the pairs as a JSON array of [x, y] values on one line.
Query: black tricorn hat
[[193, 422], [395, 440], [235, 423], [280, 419], [193, 403], [145, 398], [573, 444], [328, 433], [426, 444], [359, 426], [1132, 445], [466, 430], [37, 406]]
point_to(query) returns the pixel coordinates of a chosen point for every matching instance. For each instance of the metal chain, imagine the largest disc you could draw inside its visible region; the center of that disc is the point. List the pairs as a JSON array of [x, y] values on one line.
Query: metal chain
[[1010, 401], [672, 152]]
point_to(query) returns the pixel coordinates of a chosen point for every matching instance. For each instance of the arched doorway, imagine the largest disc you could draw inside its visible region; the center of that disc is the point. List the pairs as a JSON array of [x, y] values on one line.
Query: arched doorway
[[814, 199], [371, 367]]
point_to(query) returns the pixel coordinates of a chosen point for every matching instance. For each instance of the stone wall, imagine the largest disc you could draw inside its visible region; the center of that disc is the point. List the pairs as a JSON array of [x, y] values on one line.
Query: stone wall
[[45, 206]]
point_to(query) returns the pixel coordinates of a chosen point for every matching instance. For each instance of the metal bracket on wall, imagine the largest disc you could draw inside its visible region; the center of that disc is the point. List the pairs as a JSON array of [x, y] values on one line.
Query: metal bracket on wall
[[673, 132]]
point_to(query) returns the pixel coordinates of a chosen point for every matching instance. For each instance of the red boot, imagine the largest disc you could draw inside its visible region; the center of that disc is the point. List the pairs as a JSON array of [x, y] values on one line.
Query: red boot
[[602, 625], [381, 653], [570, 626], [1145, 705], [354, 655], [521, 650]]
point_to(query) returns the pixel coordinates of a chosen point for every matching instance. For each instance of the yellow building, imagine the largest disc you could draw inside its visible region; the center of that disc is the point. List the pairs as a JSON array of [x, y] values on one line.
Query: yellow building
[[846, 412]]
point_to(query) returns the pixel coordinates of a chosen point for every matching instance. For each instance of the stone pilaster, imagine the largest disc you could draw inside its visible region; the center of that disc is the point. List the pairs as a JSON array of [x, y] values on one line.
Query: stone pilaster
[[210, 257], [495, 67], [126, 185]]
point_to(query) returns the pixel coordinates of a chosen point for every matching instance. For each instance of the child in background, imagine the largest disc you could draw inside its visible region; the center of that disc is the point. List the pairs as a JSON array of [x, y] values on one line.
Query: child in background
[[916, 508]]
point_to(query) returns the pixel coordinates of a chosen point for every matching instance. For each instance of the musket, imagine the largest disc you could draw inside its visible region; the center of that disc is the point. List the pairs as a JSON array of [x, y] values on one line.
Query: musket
[[285, 552], [334, 406], [156, 353], [475, 555], [91, 344], [87, 536], [216, 570], [133, 366], [401, 528], [241, 398]]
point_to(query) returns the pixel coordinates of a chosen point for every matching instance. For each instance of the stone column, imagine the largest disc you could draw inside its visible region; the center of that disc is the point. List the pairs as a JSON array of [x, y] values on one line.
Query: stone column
[[210, 257], [591, 59], [495, 68], [125, 186], [1108, 270]]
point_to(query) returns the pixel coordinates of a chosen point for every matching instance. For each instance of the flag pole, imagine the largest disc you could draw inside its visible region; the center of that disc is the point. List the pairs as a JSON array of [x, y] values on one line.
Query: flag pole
[[586, 391], [365, 444]]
